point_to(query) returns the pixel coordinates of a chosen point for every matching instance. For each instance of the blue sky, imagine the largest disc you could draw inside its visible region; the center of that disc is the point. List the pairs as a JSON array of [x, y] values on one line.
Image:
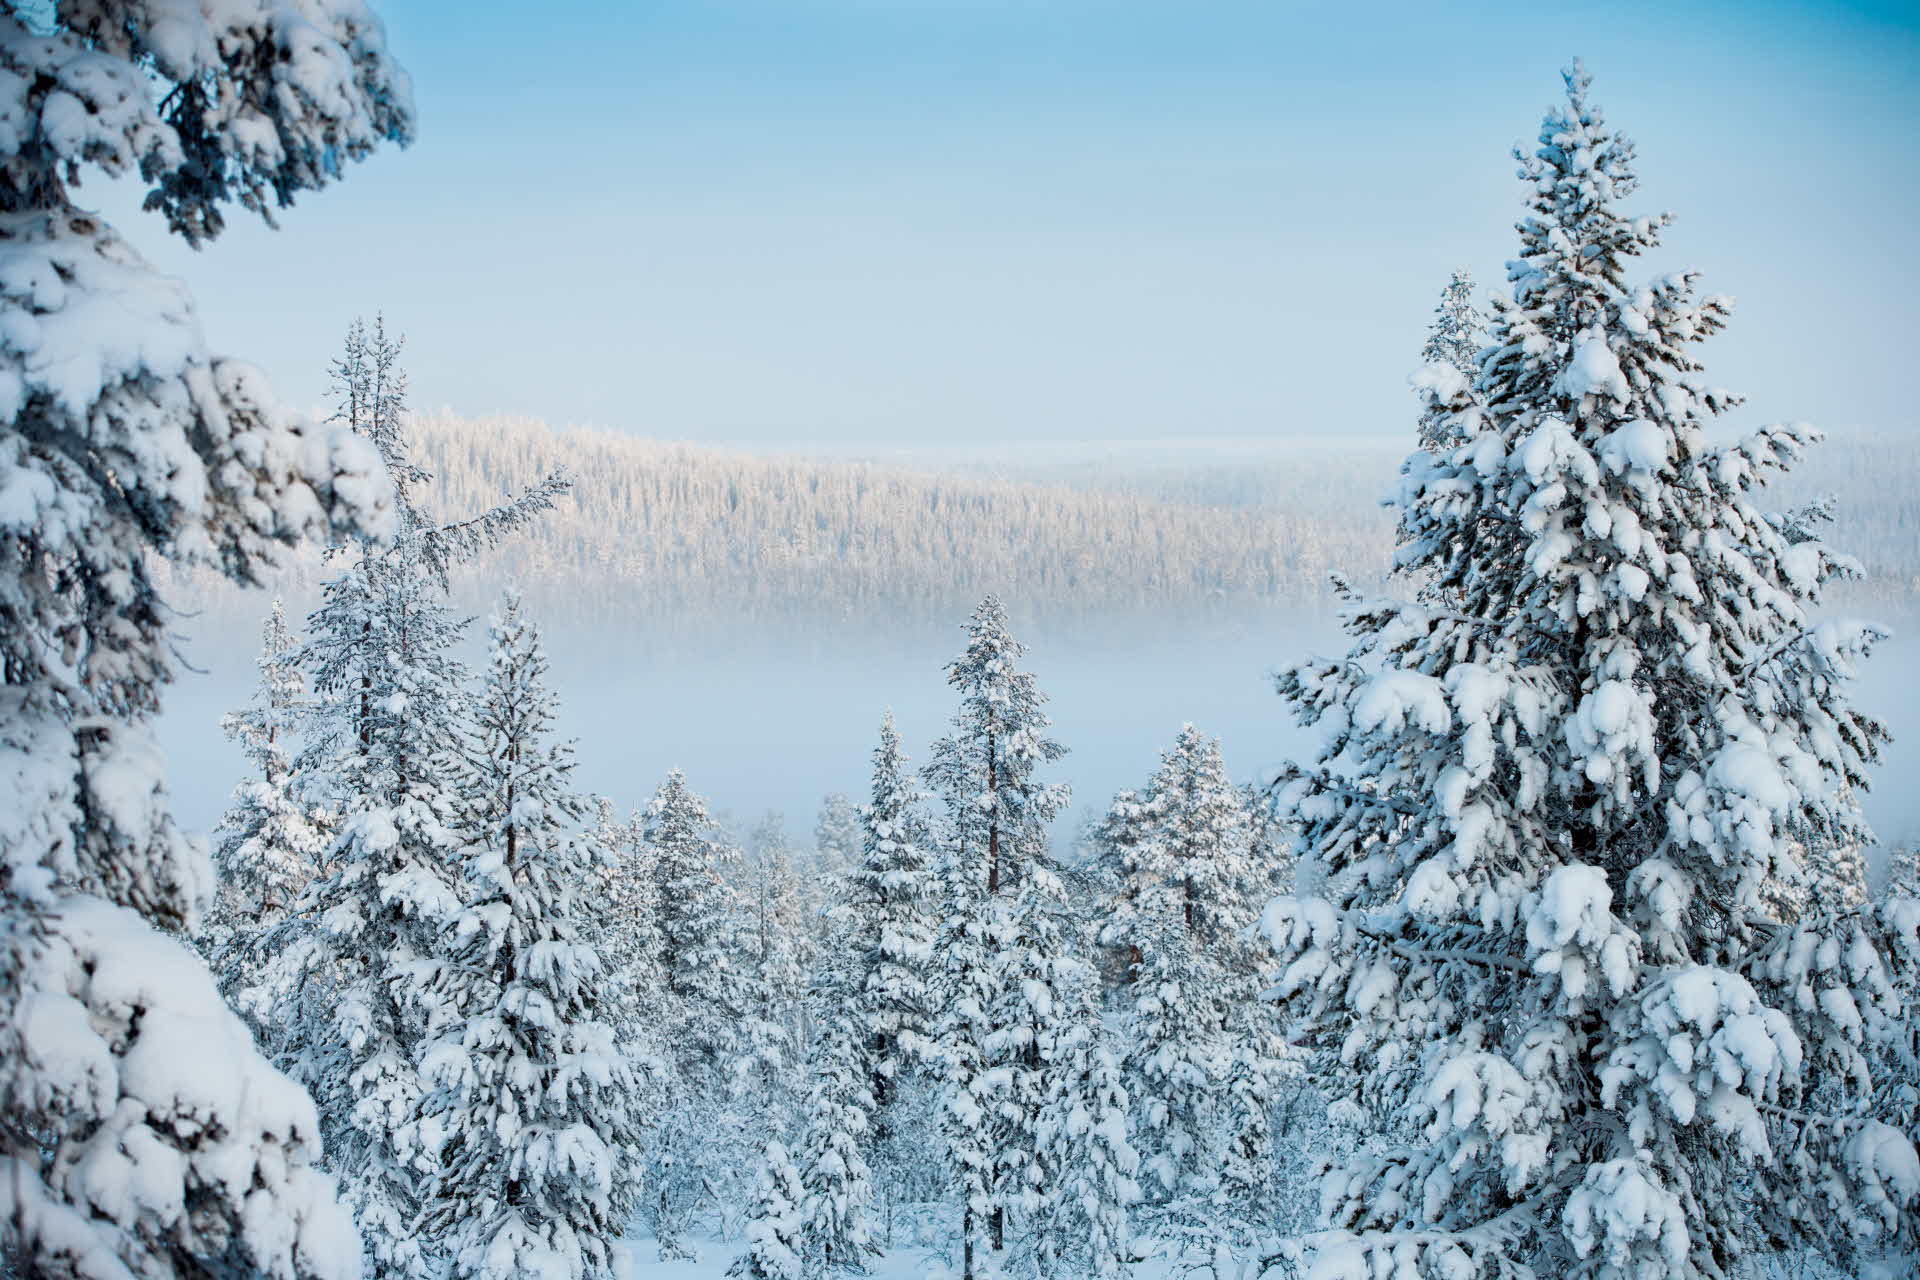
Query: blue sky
[[895, 224]]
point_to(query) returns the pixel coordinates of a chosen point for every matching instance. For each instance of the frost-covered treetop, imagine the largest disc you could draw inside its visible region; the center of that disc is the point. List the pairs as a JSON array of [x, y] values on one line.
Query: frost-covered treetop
[[998, 698], [1454, 338], [212, 101], [985, 768], [1449, 363]]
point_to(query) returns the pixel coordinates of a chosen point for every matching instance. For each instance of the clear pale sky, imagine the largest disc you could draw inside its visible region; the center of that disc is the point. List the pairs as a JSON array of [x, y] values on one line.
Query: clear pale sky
[[876, 224]]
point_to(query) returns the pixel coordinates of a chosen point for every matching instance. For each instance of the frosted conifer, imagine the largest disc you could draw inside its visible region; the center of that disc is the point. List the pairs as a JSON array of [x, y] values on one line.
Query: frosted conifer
[[1450, 362], [629, 930], [126, 441], [271, 842], [1092, 1167], [837, 834], [704, 1004], [378, 752], [1199, 1050], [534, 1111], [774, 936], [998, 937], [889, 931], [835, 1231], [698, 925], [1545, 814], [1903, 871], [775, 1228]]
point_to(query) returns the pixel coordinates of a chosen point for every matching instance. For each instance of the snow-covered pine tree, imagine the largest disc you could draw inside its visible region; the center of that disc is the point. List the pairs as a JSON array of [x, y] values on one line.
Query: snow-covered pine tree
[[838, 1234], [378, 753], [1903, 871], [1449, 364], [837, 835], [1092, 1167], [965, 986], [1272, 845], [380, 651], [126, 441], [1123, 860], [834, 1220], [698, 925], [1029, 1020], [1458, 330], [998, 937], [1546, 813], [629, 931], [271, 843], [1200, 1052], [534, 1111], [370, 395], [777, 955], [1219, 881], [1838, 872], [984, 770], [704, 1003], [889, 931], [775, 1228]]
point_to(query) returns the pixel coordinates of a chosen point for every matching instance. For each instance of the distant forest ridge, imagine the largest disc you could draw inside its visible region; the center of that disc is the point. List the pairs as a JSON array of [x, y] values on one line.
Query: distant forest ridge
[[669, 538]]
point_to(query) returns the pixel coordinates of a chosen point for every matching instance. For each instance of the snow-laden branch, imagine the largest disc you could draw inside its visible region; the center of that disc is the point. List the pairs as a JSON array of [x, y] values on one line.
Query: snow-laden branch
[[1497, 1232], [1328, 782], [1464, 955]]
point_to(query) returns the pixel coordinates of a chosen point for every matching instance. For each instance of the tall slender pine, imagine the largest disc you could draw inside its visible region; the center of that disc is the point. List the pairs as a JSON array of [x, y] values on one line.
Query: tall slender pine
[[271, 842], [999, 935], [380, 656], [534, 1106]]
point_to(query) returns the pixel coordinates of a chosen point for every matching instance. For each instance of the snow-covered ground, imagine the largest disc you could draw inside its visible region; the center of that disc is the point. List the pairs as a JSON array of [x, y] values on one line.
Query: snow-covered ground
[[919, 1262], [908, 1262]]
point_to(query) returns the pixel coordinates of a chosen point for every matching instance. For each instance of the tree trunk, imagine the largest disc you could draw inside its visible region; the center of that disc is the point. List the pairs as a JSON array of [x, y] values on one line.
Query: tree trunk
[[966, 1241]]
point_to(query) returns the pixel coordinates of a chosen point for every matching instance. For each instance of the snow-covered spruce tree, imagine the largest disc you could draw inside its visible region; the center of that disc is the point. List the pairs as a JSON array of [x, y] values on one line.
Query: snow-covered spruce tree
[[833, 1166], [834, 1220], [379, 754], [126, 440], [1838, 874], [380, 650], [698, 924], [628, 927], [889, 931], [836, 852], [1545, 815], [1082, 1132], [1824, 876], [1124, 854], [1271, 845], [998, 936], [1903, 871], [703, 1005], [1449, 364], [1200, 1051], [837, 834], [369, 387], [1029, 1020], [271, 842], [775, 1228], [534, 1108], [768, 1083]]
